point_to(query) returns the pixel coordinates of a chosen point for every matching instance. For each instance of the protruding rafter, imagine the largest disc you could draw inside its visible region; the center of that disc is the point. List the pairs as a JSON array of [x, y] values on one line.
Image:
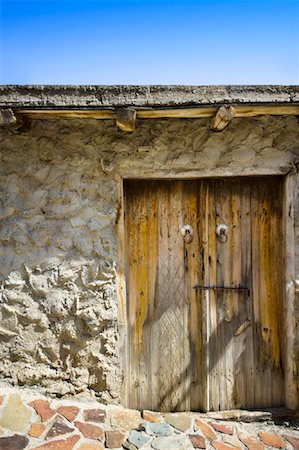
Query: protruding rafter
[[9, 119], [126, 119], [222, 118]]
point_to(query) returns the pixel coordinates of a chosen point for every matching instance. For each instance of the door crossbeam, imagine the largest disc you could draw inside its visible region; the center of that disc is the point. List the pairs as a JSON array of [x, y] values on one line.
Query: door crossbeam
[[222, 288]]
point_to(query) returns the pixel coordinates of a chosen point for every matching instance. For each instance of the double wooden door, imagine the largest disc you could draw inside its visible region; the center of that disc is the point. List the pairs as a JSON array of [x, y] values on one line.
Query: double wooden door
[[204, 293]]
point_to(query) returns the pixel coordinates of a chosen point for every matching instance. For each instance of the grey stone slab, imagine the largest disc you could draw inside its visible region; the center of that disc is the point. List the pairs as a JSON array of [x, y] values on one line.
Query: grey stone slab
[[239, 415], [113, 96], [160, 429], [138, 438], [174, 443]]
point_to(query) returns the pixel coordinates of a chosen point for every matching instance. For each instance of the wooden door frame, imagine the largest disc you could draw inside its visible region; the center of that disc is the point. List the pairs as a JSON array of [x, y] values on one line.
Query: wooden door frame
[[289, 292], [290, 184]]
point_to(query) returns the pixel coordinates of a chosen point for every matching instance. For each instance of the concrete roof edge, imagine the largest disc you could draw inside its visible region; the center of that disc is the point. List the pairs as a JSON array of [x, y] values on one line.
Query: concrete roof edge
[[151, 96]]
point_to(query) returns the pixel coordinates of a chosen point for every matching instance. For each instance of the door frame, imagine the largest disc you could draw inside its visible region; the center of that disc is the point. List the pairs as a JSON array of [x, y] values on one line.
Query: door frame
[[289, 291]]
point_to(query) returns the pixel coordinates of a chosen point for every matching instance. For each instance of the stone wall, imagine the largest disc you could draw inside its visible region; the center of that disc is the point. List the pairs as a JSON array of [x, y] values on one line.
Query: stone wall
[[60, 184], [30, 421]]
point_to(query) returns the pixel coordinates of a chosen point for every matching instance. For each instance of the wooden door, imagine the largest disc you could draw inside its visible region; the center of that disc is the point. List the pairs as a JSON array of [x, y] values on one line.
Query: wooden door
[[244, 332], [192, 346]]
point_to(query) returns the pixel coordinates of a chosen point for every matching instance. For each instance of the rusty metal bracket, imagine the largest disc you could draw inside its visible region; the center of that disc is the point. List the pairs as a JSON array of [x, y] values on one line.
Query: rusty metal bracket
[[222, 288]]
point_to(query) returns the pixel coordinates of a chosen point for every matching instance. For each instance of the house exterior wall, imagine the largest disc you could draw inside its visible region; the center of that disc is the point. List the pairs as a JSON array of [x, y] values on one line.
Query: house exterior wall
[[61, 184]]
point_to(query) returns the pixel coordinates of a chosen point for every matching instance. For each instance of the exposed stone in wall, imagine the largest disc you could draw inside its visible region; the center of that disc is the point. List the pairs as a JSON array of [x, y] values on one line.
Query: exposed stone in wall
[[59, 209], [44, 423], [58, 305]]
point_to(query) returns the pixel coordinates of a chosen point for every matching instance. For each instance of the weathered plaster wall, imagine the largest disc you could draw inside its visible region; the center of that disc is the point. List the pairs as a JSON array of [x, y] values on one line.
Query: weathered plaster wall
[[60, 207]]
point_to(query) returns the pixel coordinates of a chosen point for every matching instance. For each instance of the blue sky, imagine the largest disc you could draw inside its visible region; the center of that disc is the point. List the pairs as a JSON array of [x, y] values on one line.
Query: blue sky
[[149, 42]]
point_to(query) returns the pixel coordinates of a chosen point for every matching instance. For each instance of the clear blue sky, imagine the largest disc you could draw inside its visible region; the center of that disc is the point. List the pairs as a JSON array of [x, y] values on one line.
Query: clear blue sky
[[149, 42]]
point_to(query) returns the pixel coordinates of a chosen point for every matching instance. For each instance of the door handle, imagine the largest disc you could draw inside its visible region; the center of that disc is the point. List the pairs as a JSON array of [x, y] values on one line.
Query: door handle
[[222, 232], [187, 233]]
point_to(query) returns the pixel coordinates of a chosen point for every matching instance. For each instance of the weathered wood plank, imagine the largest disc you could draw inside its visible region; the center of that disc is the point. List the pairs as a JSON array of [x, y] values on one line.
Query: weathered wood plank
[[225, 299], [151, 324], [214, 332], [256, 288], [142, 334], [132, 218], [163, 349], [290, 295], [190, 205], [236, 373], [169, 113], [180, 258], [247, 333], [170, 301], [203, 297], [275, 210], [121, 291], [267, 294]]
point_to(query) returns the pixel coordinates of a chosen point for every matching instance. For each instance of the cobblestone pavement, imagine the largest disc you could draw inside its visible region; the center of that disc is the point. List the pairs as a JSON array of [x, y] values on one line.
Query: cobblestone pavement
[[31, 421]]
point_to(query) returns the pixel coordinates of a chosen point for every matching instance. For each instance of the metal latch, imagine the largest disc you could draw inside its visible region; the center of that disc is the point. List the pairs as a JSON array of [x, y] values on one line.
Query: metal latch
[[222, 288]]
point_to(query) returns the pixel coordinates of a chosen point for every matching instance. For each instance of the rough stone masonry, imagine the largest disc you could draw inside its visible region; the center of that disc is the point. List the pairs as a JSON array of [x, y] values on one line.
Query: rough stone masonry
[[60, 199], [71, 424]]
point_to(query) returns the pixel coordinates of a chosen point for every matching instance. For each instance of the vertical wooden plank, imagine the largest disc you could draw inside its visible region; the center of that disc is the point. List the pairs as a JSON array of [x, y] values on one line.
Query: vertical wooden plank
[[291, 183], [203, 296], [276, 308], [191, 311], [223, 201], [162, 402], [170, 300], [231, 299], [194, 386], [178, 304], [265, 296], [267, 291], [145, 323], [121, 290], [214, 338], [237, 302], [246, 358], [161, 344], [141, 252], [241, 326], [255, 251], [142, 334], [276, 316], [132, 269], [184, 220], [151, 325]]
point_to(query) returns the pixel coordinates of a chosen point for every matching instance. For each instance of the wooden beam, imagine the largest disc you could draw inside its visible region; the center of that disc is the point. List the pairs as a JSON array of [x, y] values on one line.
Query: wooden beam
[[126, 119], [8, 118], [68, 114], [177, 113], [169, 113], [13, 120], [222, 118]]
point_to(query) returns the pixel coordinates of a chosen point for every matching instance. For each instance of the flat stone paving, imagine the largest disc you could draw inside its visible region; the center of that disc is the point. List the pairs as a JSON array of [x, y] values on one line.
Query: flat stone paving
[[29, 421]]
